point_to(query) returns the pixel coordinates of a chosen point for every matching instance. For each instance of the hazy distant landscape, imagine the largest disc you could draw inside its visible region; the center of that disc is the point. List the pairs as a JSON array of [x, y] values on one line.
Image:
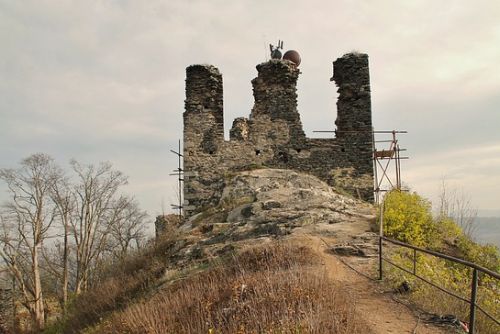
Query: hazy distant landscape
[[488, 230]]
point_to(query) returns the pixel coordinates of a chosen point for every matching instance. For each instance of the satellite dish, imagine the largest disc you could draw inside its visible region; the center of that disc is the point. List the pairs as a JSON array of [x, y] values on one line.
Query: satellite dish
[[292, 56]]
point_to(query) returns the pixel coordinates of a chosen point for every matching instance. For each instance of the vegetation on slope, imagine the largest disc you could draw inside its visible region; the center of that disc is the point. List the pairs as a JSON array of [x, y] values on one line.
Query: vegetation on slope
[[121, 282], [273, 287], [57, 228], [266, 289], [408, 217], [277, 287]]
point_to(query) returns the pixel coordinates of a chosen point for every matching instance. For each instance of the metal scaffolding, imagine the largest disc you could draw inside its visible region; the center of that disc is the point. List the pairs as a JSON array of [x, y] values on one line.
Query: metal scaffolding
[[386, 161], [385, 177], [179, 172]]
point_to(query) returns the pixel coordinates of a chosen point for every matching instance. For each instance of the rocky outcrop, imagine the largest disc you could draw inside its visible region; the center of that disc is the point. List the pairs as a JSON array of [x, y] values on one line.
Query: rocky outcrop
[[267, 203], [364, 245]]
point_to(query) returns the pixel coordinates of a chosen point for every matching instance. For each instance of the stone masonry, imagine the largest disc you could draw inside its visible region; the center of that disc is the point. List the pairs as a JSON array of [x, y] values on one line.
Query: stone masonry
[[273, 136]]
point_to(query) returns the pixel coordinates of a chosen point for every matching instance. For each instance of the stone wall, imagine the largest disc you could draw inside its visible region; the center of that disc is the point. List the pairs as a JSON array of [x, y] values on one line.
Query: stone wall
[[273, 135]]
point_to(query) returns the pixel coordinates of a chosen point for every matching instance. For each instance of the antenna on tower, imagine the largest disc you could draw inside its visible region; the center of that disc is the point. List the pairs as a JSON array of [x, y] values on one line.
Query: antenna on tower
[[275, 50]]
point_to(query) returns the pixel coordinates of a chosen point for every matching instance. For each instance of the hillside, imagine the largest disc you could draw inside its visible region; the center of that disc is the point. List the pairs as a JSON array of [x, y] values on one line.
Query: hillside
[[261, 261]]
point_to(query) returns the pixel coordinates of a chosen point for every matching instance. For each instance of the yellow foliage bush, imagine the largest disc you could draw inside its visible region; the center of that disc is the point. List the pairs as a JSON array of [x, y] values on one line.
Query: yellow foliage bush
[[451, 276], [407, 217]]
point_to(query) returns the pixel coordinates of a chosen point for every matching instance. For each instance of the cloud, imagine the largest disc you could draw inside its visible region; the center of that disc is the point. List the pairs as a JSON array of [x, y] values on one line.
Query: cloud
[[473, 169], [104, 80]]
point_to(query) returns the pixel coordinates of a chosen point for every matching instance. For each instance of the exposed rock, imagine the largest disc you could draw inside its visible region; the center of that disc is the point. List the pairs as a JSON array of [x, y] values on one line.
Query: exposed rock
[[364, 250], [271, 204], [275, 202], [365, 245], [346, 250]]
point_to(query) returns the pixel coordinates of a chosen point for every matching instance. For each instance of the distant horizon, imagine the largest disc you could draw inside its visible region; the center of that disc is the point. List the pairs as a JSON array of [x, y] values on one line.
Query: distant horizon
[[486, 213], [488, 230]]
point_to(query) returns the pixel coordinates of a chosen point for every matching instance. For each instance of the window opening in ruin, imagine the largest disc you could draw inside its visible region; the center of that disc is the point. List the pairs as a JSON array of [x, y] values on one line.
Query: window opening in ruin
[[257, 152]]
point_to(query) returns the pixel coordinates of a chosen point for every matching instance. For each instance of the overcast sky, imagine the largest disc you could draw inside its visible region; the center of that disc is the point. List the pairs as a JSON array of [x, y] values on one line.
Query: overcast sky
[[104, 80]]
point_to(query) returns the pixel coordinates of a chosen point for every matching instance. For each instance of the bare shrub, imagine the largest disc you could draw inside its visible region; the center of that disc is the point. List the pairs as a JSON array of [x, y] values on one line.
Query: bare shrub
[[121, 282], [456, 204]]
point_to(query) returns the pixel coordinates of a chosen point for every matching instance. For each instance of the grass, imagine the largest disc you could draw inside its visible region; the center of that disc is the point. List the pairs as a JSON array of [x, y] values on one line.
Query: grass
[[121, 283], [277, 288], [273, 288]]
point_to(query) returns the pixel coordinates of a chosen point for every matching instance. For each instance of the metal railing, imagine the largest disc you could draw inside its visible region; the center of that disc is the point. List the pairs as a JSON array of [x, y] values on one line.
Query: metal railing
[[475, 269]]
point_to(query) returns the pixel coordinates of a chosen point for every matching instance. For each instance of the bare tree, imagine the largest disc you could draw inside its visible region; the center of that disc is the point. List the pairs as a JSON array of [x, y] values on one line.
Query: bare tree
[[127, 228], [84, 216], [455, 204], [7, 311], [64, 202], [95, 193], [26, 221]]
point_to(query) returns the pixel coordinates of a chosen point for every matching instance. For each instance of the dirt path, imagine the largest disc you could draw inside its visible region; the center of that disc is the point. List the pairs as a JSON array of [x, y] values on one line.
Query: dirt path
[[376, 308]]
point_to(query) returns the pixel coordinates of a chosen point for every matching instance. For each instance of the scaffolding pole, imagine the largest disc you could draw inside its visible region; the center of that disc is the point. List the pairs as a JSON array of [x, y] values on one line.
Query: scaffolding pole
[[179, 172], [392, 155]]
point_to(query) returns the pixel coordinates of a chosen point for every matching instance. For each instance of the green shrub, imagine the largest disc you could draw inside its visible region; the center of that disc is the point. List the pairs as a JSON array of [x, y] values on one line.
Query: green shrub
[[487, 256], [407, 217], [451, 276], [448, 230]]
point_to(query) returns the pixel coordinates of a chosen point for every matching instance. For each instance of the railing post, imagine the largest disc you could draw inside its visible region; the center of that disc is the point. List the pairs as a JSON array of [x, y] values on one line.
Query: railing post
[[380, 275], [473, 297], [380, 235]]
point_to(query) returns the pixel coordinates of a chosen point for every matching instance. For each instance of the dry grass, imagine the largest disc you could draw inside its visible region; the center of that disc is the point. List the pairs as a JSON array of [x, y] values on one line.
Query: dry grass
[[120, 283], [271, 289], [276, 288]]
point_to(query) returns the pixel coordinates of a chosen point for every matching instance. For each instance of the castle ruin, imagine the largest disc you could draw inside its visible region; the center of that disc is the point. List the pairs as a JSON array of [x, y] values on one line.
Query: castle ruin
[[273, 136]]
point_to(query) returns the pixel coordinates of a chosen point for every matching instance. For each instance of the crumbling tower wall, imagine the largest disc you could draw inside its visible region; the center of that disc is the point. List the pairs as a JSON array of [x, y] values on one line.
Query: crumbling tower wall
[[354, 120], [275, 94], [273, 135]]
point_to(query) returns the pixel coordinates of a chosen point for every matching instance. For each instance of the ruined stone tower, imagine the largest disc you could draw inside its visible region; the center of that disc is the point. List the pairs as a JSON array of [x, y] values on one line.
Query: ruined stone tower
[[273, 136]]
